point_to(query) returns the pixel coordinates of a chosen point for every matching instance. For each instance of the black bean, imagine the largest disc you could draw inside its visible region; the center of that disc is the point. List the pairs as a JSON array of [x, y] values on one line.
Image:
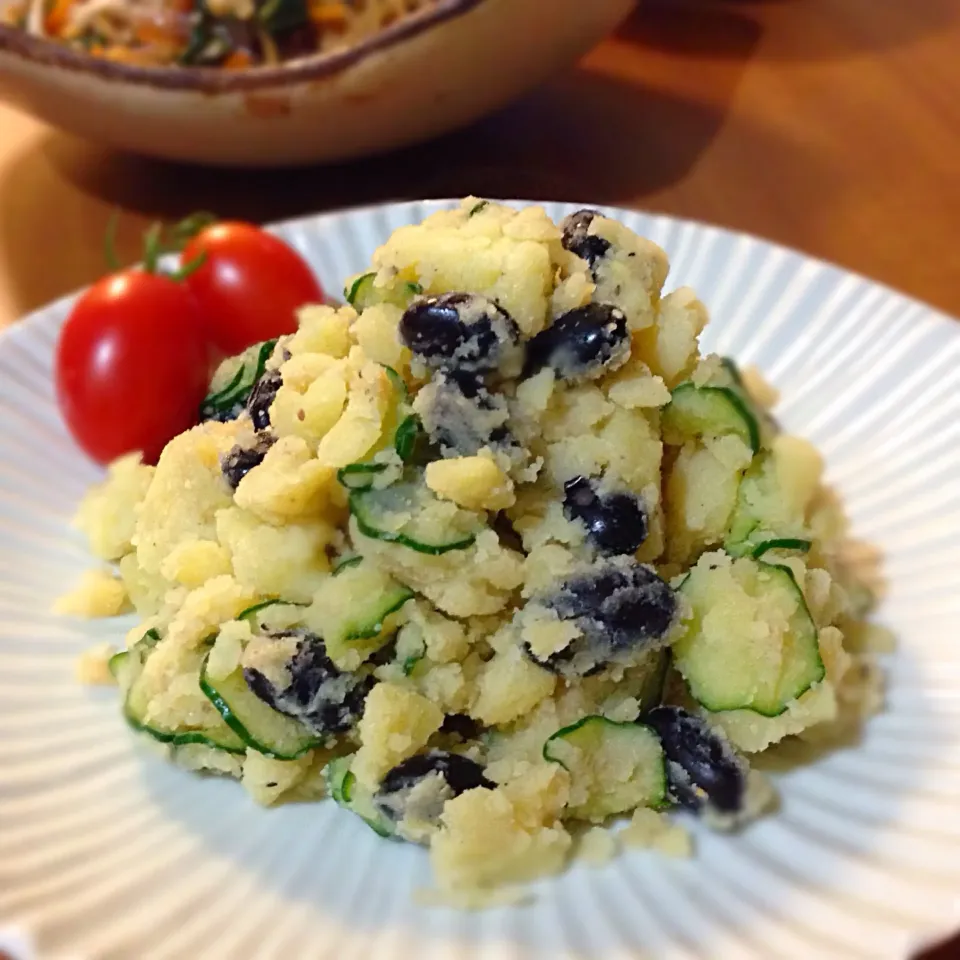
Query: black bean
[[703, 769], [471, 385], [236, 464], [262, 396], [461, 725], [616, 522], [461, 773], [578, 239], [459, 331], [621, 608], [458, 773], [582, 343], [461, 416], [506, 532], [222, 414], [384, 655], [319, 695]]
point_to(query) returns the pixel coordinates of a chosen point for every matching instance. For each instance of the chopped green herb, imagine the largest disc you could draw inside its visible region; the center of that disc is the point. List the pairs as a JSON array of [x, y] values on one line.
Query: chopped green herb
[[278, 16]]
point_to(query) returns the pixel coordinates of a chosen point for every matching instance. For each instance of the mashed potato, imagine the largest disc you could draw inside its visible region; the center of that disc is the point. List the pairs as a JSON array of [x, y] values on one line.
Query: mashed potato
[[490, 554]]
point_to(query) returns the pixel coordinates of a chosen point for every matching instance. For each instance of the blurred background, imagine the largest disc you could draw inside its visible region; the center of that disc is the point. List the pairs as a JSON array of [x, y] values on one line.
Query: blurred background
[[829, 125]]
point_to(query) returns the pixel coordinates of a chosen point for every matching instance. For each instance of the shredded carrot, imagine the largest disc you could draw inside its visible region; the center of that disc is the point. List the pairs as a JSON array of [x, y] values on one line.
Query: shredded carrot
[[149, 32], [136, 56], [238, 60], [117, 53], [326, 14], [56, 19]]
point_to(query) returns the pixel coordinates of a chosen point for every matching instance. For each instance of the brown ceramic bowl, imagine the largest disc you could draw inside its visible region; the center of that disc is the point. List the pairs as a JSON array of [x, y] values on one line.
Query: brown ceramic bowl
[[440, 68]]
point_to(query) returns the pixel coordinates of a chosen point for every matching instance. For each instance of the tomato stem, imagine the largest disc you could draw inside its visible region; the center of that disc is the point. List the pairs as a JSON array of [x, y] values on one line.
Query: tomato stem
[[187, 228], [153, 247], [191, 267]]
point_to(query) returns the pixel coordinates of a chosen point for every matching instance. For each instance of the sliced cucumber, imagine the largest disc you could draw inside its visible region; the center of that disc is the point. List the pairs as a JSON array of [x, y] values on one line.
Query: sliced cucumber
[[130, 671], [761, 514], [751, 643], [347, 793], [709, 411], [401, 431], [257, 725], [358, 293], [733, 372], [118, 665], [363, 292], [218, 735], [335, 773], [121, 662], [406, 428], [229, 400], [250, 613], [614, 767], [411, 648], [398, 383], [345, 563], [655, 678], [408, 513], [352, 612], [785, 543], [359, 476]]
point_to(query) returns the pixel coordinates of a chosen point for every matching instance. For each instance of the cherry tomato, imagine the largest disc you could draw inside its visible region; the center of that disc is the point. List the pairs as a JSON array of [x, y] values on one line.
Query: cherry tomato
[[132, 365], [249, 285]]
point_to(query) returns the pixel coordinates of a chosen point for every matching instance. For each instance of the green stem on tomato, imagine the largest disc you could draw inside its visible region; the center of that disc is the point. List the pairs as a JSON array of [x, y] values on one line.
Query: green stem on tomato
[[153, 247], [187, 228], [191, 267]]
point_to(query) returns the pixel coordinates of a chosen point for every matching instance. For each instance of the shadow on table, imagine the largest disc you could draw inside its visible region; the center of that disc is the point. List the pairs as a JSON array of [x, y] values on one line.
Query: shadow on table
[[583, 132], [704, 28], [796, 29], [606, 132], [585, 135]]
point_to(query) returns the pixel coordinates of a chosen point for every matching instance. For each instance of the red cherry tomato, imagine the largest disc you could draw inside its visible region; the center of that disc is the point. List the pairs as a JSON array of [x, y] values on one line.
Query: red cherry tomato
[[132, 365], [249, 285]]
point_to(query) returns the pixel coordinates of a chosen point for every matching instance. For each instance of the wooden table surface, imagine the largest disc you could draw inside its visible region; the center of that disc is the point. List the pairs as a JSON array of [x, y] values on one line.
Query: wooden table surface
[[829, 125]]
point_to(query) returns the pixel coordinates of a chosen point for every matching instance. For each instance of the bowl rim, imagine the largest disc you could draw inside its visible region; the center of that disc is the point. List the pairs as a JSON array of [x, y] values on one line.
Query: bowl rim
[[215, 80]]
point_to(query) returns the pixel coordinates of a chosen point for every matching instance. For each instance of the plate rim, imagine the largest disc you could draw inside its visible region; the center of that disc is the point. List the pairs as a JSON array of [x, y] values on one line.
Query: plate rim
[[919, 940], [434, 204]]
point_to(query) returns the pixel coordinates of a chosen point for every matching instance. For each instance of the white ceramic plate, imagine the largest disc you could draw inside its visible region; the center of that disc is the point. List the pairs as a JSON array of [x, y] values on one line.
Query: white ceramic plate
[[107, 852]]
